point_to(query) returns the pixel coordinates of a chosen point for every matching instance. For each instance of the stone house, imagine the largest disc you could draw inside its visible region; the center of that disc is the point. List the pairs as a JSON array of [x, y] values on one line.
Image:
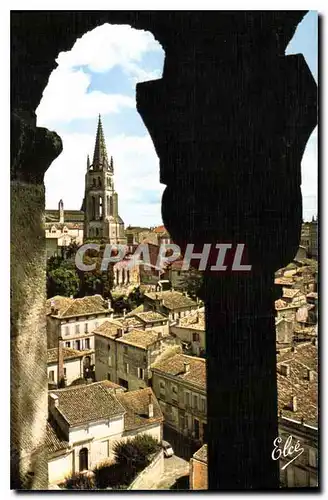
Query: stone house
[[297, 379], [179, 383], [191, 331], [284, 331], [74, 320], [124, 354], [73, 364], [150, 320], [171, 303], [86, 420], [62, 228]]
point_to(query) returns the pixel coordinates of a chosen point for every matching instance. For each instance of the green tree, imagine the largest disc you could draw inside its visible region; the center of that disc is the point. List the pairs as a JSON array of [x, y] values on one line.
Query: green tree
[[191, 281], [62, 281]]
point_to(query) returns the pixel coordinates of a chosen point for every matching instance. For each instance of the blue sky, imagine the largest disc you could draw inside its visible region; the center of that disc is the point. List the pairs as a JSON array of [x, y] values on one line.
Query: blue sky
[[98, 76]]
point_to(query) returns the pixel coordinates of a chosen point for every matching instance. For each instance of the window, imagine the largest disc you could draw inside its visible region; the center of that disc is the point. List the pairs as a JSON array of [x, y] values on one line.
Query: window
[[195, 401], [77, 328], [66, 330], [108, 376], [140, 373], [195, 337], [126, 367], [162, 388], [65, 230], [86, 328], [77, 345], [96, 324], [125, 349], [203, 405], [52, 376], [196, 428], [109, 361], [174, 393], [67, 344], [65, 371], [87, 343], [109, 347], [53, 229], [187, 399], [83, 462], [312, 457]]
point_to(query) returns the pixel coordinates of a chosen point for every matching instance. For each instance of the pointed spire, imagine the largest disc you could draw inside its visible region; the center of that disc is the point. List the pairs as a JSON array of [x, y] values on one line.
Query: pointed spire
[[111, 166], [88, 162], [100, 160]]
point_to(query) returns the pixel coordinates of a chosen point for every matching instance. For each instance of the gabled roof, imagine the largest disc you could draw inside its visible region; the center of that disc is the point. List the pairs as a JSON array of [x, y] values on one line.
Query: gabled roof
[[52, 355], [67, 307], [149, 316], [87, 403], [174, 366], [55, 440], [172, 300], [140, 338], [136, 404]]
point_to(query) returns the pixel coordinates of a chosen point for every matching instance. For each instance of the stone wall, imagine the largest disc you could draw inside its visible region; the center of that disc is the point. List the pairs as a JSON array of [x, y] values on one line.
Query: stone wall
[[151, 475], [198, 475]]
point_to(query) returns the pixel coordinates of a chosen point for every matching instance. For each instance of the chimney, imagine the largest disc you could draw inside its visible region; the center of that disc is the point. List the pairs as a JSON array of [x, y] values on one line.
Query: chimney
[[60, 364], [310, 375], [285, 370], [294, 404], [150, 407], [186, 367], [119, 333], [53, 401]]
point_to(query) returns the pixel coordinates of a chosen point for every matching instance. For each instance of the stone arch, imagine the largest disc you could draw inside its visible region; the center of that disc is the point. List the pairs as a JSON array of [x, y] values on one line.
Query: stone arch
[[186, 51]]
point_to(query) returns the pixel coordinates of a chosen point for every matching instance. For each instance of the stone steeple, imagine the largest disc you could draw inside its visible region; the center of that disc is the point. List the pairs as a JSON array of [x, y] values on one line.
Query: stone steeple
[[100, 160], [101, 217]]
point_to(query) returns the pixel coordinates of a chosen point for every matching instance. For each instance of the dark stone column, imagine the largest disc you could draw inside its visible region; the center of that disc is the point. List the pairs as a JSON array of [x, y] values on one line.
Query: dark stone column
[[32, 151], [230, 120]]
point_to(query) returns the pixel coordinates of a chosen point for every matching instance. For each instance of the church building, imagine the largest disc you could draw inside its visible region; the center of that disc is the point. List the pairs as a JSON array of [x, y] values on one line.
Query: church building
[[100, 205]]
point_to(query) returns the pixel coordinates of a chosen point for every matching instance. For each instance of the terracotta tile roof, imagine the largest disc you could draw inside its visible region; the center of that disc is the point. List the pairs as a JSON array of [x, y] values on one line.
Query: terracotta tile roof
[[55, 440], [108, 328], [139, 338], [284, 281], [172, 299], [159, 229], [87, 403], [296, 384], [195, 320], [281, 304], [175, 366], [136, 405], [68, 354], [86, 305], [150, 316], [201, 454], [290, 293], [92, 304], [58, 302]]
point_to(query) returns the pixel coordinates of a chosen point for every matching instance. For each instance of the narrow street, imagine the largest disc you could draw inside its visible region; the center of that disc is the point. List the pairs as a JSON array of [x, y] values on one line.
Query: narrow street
[[174, 469]]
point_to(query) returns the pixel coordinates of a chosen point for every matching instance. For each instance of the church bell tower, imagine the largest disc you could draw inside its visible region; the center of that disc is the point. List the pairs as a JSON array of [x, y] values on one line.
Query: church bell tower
[[101, 218]]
